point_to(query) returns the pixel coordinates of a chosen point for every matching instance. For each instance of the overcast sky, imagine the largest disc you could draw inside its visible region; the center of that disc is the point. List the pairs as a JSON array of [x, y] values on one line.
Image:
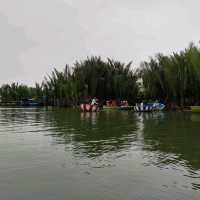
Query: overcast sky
[[37, 35]]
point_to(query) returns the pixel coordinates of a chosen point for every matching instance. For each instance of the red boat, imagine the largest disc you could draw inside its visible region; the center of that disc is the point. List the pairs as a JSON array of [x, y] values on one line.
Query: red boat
[[89, 107]]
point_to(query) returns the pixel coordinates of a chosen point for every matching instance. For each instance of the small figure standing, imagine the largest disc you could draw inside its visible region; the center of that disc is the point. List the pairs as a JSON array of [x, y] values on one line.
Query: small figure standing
[[94, 101]]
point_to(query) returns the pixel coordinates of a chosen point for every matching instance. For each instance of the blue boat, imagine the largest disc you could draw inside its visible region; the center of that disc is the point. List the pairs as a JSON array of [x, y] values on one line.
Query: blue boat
[[149, 107], [157, 106], [29, 103]]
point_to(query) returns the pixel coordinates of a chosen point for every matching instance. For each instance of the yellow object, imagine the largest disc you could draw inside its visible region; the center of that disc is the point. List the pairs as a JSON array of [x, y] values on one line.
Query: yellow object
[[195, 109], [110, 107]]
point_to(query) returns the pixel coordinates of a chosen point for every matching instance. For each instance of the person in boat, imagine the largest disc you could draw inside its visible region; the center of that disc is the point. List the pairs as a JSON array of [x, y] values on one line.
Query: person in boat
[[124, 103], [94, 101], [142, 106]]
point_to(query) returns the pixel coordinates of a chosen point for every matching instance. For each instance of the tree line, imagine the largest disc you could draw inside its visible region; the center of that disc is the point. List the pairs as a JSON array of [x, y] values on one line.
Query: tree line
[[90, 78], [173, 79]]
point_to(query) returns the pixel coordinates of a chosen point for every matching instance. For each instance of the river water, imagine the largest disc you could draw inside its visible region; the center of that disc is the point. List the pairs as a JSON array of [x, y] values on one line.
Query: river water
[[59, 154]]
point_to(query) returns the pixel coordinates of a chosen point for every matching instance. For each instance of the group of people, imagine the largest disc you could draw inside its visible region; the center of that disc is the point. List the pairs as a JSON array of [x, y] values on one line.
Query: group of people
[[114, 103], [95, 101]]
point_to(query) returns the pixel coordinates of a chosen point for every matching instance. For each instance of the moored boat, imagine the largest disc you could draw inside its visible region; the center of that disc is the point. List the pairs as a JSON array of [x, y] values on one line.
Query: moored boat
[[157, 106], [149, 107], [29, 103], [143, 108], [110, 107], [126, 107], [195, 109], [86, 107]]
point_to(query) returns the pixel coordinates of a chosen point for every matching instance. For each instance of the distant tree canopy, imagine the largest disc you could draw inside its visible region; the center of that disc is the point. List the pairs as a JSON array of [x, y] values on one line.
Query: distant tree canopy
[[16, 92], [172, 79], [92, 77], [106, 80]]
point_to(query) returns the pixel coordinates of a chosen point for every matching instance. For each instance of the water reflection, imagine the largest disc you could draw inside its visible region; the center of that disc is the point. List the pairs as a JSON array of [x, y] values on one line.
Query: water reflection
[[171, 141], [89, 117], [171, 137], [94, 134], [166, 140], [174, 135]]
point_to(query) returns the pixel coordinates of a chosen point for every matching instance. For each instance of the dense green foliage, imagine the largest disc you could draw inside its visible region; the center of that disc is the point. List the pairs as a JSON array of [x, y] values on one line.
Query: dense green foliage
[[105, 80], [173, 79], [15, 92], [92, 77]]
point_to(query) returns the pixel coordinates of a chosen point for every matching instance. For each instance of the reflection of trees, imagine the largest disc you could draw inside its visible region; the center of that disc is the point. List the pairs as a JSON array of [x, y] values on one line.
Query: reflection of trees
[[20, 116], [166, 138], [93, 134], [174, 139]]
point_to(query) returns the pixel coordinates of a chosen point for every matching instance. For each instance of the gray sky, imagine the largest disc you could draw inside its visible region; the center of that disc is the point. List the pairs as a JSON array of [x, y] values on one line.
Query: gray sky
[[37, 35]]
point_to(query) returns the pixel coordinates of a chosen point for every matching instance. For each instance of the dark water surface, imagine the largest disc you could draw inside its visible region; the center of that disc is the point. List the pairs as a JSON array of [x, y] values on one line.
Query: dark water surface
[[60, 154]]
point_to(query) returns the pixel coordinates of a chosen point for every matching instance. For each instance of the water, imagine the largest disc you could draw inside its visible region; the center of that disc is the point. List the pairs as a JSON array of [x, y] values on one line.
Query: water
[[51, 154]]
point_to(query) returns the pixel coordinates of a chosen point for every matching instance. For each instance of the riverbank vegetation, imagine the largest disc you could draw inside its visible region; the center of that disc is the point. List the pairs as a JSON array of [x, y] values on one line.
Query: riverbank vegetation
[[92, 77], [173, 79]]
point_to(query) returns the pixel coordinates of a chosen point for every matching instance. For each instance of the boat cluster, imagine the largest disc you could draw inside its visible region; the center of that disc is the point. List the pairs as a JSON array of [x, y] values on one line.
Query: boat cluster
[[139, 107]]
